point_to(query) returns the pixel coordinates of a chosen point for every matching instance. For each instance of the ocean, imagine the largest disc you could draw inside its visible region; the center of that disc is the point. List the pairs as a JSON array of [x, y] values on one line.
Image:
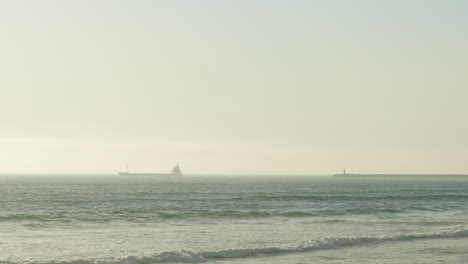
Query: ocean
[[226, 219]]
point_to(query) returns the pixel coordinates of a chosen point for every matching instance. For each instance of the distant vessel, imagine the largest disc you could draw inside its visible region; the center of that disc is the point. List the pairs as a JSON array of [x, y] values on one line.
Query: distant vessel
[[175, 172], [407, 176]]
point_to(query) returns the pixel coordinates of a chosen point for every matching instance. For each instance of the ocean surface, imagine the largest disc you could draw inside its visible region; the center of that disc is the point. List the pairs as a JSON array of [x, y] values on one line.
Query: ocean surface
[[226, 219]]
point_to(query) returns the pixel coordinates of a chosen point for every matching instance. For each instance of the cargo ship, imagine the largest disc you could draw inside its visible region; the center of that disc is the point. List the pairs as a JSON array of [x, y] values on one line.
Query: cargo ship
[[174, 172], [400, 176]]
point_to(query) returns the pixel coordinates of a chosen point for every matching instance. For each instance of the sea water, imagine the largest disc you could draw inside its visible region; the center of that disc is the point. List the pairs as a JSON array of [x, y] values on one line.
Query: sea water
[[227, 219]]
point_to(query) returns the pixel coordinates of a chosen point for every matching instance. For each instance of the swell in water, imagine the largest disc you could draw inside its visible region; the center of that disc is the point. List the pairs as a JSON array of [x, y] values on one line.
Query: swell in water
[[129, 215], [188, 256]]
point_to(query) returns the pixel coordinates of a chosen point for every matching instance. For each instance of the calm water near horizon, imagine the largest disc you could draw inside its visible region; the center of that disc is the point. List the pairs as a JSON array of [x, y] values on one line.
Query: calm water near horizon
[[195, 219]]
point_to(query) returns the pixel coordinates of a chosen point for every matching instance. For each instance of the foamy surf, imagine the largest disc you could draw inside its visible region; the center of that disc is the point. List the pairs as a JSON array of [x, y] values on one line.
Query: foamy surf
[[188, 256]]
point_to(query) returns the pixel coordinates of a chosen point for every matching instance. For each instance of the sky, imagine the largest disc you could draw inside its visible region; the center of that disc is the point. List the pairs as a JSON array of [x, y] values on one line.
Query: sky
[[234, 86]]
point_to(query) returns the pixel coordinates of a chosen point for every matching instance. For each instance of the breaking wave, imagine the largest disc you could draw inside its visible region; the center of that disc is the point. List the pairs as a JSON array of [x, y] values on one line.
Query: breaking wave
[[188, 256]]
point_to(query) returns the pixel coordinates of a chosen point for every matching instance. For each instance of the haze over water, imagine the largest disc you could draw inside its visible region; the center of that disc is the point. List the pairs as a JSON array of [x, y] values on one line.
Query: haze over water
[[234, 87]]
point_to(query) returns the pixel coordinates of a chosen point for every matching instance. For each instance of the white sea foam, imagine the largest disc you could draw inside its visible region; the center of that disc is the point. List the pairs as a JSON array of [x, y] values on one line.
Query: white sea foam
[[187, 256]]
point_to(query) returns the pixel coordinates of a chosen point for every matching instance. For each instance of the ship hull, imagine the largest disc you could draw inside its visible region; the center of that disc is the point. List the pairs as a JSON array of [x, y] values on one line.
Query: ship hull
[[148, 174], [407, 176]]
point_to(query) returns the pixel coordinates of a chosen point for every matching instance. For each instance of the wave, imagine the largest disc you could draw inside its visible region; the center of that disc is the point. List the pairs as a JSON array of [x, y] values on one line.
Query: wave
[[347, 197], [188, 256], [242, 214], [106, 217]]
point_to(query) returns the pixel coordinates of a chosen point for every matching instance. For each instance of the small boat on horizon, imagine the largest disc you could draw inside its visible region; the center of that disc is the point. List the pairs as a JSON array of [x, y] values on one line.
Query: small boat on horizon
[[174, 172]]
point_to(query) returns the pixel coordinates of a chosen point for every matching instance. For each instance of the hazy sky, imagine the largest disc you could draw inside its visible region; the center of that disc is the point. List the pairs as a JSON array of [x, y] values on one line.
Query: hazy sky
[[241, 86]]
